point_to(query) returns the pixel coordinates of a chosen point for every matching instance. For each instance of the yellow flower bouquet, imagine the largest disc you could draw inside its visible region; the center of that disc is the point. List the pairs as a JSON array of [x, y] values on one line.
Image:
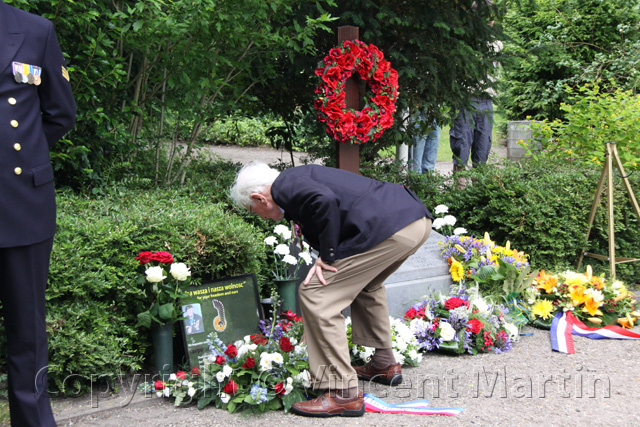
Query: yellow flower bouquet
[[592, 299]]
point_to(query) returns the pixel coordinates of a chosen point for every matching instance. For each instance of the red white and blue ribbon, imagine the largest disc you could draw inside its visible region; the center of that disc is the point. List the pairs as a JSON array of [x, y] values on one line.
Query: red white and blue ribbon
[[417, 407], [565, 324]]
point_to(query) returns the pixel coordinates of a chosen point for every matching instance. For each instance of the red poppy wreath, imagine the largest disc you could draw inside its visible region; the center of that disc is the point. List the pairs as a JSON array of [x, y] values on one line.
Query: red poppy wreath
[[348, 125]]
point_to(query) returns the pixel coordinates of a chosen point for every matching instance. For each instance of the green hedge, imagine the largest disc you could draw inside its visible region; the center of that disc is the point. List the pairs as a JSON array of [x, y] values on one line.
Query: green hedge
[[542, 208], [93, 297]]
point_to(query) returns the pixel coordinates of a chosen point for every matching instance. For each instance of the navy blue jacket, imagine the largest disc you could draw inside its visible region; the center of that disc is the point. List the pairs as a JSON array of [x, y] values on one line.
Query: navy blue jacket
[[32, 119], [342, 213]]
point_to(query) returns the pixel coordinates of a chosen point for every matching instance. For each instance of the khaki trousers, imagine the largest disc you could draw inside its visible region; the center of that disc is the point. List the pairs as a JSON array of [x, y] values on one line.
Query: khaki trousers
[[359, 282]]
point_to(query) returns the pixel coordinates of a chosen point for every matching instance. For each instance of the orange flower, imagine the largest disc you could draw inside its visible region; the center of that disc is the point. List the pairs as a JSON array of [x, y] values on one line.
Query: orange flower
[[626, 322], [592, 307], [546, 281], [597, 282], [621, 296], [577, 294]]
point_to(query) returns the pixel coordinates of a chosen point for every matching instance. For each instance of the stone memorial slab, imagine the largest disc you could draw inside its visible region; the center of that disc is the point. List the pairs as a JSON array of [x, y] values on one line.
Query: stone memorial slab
[[424, 272]]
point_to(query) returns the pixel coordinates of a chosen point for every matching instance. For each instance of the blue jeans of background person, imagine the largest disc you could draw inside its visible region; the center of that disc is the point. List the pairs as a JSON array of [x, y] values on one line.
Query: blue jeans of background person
[[471, 133], [425, 150]]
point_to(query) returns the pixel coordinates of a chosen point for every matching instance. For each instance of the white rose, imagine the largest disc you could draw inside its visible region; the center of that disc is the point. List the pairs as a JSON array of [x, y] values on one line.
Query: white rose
[[227, 370], [440, 209], [282, 249], [447, 333], [180, 271], [304, 377], [288, 386], [271, 240], [155, 274], [481, 305], [166, 392], [159, 393], [224, 397], [450, 220], [460, 230], [172, 377], [191, 391], [220, 376]]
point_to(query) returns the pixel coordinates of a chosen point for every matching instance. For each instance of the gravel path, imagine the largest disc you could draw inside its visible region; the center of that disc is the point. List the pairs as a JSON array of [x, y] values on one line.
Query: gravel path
[[529, 386], [270, 155]]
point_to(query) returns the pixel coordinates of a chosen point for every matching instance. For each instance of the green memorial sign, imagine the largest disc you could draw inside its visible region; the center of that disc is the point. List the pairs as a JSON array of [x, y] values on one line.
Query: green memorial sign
[[230, 308]]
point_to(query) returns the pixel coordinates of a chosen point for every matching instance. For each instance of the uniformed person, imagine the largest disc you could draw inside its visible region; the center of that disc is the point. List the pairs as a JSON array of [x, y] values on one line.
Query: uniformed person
[[36, 110]]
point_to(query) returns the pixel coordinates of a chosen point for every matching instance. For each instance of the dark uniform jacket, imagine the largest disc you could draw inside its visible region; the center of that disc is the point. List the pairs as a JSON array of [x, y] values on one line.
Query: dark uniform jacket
[[32, 119], [342, 213]]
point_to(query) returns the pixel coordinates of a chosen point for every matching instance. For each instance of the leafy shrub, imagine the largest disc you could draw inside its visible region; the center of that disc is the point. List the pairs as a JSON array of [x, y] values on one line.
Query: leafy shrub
[[93, 297], [542, 208], [595, 115], [242, 131]]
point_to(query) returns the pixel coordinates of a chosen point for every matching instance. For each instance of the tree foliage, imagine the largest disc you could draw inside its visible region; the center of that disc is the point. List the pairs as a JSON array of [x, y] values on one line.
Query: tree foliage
[[441, 50], [553, 43], [146, 72]]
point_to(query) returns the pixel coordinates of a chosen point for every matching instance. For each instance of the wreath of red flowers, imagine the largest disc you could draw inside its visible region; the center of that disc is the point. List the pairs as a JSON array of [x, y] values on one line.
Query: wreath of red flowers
[[348, 125]]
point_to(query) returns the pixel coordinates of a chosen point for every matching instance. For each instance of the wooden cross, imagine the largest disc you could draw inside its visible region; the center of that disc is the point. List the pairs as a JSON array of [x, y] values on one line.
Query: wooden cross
[[348, 154]]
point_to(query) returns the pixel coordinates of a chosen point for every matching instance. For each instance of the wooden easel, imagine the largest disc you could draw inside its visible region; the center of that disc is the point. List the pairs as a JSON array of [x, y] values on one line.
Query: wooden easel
[[607, 172]]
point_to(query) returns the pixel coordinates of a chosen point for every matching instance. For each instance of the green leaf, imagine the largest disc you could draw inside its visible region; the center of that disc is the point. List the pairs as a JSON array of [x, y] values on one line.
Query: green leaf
[[144, 319], [166, 311], [205, 401]]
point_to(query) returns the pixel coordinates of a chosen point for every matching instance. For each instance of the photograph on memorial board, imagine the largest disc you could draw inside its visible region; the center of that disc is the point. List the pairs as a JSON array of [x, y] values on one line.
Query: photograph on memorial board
[[230, 308], [193, 319]]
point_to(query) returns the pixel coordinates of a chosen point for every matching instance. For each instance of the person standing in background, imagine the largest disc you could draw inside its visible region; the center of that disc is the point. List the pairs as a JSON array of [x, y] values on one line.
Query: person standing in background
[[425, 148], [36, 110], [470, 135]]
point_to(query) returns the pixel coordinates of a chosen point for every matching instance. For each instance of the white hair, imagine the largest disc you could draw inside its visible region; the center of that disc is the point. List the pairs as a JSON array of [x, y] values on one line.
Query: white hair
[[254, 177]]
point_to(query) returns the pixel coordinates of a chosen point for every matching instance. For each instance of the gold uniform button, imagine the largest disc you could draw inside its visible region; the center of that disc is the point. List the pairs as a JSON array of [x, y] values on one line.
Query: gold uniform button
[[17, 171], [14, 123], [12, 101], [17, 147]]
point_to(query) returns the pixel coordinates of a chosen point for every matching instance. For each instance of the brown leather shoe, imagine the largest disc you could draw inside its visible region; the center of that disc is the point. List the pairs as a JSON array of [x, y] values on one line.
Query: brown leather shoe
[[391, 375], [327, 405]]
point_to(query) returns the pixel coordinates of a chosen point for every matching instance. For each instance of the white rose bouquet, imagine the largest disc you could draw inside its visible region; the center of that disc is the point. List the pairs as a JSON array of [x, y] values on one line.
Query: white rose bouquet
[[164, 290]]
